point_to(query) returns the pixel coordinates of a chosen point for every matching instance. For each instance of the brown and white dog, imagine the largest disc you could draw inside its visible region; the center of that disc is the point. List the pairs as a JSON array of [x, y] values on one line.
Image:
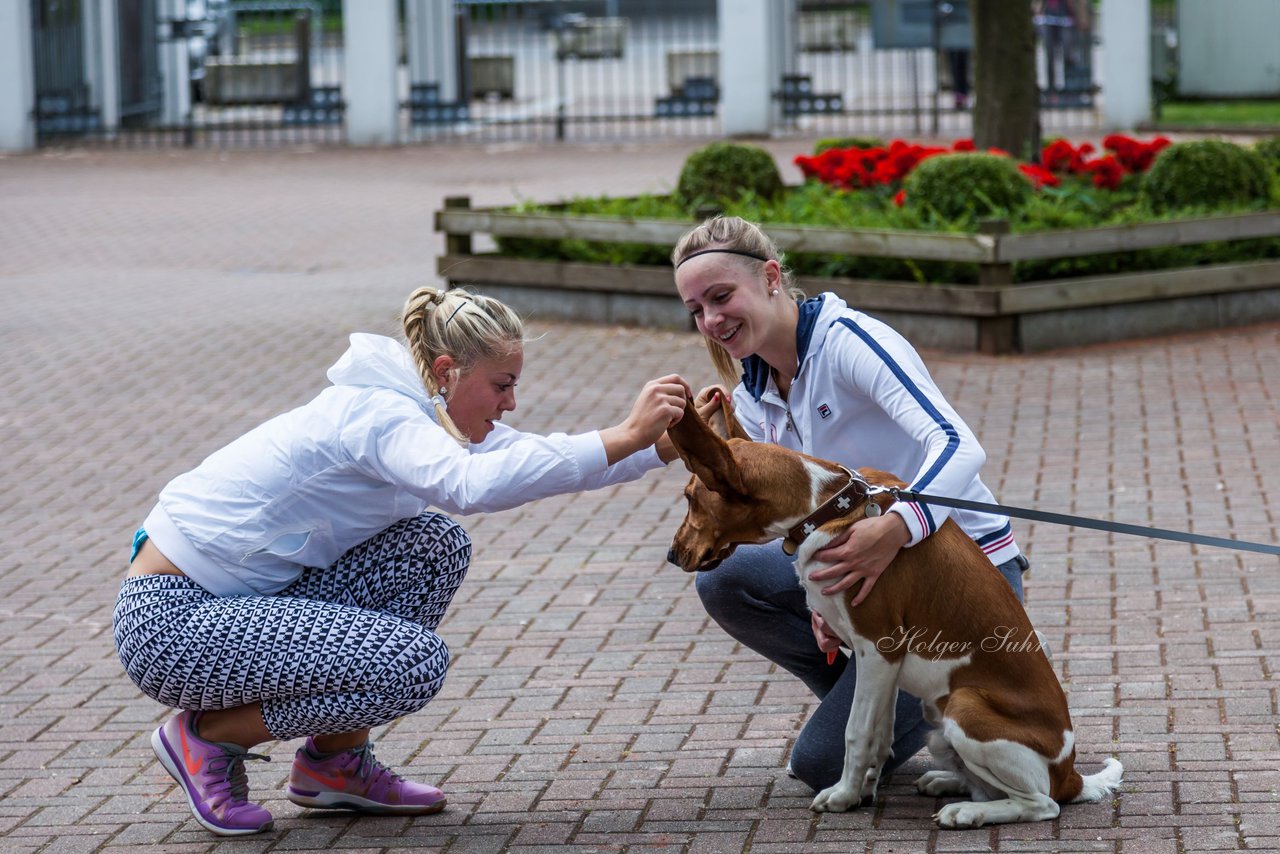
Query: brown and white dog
[[941, 623]]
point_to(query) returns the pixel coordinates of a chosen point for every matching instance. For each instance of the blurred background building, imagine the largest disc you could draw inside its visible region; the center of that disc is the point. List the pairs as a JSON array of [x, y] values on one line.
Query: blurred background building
[[246, 72]]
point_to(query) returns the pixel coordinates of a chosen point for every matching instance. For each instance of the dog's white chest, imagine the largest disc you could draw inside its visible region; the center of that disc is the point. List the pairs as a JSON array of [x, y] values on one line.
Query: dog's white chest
[[929, 655]]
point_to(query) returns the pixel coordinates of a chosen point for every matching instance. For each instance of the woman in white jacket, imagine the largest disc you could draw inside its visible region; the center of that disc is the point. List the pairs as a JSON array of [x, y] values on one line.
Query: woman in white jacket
[[820, 377], [291, 584]]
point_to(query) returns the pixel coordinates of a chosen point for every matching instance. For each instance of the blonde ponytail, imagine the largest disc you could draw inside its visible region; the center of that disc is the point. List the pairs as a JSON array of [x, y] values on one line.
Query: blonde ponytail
[[464, 326], [740, 236]]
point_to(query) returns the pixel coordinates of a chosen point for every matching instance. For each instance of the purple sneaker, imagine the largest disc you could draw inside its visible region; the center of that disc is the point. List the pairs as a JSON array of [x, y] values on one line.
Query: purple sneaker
[[211, 775], [355, 780]]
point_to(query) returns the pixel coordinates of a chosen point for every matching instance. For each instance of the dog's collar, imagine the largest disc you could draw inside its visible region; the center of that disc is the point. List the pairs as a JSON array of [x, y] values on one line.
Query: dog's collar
[[853, 495]]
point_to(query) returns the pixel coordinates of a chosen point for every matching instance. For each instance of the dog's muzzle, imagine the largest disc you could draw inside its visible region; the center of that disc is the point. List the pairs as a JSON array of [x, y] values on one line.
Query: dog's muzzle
[[674, 560]]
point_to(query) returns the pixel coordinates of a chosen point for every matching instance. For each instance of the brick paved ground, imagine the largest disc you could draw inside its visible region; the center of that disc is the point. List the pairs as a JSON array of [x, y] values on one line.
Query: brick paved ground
[[157, 304]]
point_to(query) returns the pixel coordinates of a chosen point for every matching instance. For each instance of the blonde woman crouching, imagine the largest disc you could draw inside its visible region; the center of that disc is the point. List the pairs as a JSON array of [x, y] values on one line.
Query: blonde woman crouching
[[290, 585]]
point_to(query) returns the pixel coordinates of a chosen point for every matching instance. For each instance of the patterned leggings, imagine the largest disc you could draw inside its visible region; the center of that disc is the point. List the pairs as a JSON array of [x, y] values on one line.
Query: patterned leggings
[[341, 649]]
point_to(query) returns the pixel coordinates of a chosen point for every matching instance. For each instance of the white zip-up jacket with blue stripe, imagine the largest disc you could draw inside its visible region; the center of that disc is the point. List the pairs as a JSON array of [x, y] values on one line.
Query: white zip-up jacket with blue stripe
[[863, 397], [301, 489]]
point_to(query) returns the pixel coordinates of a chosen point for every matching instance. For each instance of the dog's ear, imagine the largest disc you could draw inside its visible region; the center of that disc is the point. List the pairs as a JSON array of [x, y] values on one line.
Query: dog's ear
[[725, 423], [705, 454]]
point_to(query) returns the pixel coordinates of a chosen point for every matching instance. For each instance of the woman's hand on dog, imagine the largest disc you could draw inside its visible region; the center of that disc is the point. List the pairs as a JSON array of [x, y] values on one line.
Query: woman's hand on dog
[[860, 554], [710, 401], [828, 641], [659, 405]]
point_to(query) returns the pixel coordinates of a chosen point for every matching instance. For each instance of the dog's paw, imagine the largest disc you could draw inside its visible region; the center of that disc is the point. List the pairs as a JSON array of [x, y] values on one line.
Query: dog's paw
[[942, 784], [963, 815], [837, 798]]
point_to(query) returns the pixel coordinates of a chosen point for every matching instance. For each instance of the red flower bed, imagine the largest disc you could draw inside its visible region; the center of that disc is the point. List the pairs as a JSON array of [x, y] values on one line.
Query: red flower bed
[[854, 168], [857, 168], [1129, 156], [1061, 156], [1038, 175], [1133, 155]]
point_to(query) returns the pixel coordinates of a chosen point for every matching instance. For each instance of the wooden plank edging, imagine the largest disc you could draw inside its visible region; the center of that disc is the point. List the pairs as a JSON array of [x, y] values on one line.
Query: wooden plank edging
[[957, 300], [964, 300], [1094, 241], [570, 275], [1063, 294], [884, 243]]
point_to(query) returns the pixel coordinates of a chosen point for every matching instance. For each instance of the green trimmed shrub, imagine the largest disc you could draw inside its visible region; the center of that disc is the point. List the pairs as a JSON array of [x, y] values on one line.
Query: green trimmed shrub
[[1206, 173], [847, 142], [1050, 209], [726, 171], [967, 186], [1269, 149]]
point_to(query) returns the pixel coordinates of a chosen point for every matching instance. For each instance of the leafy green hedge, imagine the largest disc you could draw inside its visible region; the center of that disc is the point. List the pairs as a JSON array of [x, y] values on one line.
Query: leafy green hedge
[[1075, 204], [1269, 150], [816, 205]]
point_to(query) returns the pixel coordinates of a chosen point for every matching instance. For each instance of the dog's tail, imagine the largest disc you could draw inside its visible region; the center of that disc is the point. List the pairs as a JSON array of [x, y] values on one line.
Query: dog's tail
[[1098, 786]]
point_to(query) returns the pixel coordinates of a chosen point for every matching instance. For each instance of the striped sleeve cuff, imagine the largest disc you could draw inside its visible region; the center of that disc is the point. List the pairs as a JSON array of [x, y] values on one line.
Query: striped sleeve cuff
[[996, 540], [918, 522]]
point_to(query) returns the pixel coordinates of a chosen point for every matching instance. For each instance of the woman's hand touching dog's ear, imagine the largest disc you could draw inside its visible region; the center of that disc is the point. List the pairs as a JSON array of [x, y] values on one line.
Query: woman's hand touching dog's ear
[[659, 405], [715, 404], [710, 401]]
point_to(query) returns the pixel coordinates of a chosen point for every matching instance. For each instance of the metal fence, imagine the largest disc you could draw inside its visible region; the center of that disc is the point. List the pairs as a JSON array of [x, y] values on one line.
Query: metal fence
[[584, 70], [642, 68], [272, 72], [64, 102], [261, 72], [906, 68], [210, 72]]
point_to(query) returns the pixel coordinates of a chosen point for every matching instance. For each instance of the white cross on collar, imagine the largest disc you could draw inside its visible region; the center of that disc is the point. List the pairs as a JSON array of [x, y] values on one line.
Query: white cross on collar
[[843, 502], [809, 528]]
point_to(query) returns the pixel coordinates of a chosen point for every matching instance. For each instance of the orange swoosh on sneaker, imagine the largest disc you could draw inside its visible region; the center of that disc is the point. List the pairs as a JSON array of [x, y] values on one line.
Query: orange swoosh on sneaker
[[193, 765], [335, 781]]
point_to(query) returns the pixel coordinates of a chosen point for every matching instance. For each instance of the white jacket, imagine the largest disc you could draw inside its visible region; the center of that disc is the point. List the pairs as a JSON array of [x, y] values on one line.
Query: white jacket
[[863, 397], [306, 486]]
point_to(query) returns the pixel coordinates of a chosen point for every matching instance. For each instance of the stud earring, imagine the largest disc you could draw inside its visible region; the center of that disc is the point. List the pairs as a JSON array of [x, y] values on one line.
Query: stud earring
[[773, 293], [443, 391]]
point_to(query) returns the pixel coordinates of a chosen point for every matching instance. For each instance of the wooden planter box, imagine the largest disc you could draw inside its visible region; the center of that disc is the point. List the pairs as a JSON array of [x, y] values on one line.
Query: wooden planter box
[[994, 316]]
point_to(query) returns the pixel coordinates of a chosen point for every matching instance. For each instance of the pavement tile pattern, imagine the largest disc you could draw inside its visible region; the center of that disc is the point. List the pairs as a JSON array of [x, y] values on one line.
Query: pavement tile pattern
[[157, 304]]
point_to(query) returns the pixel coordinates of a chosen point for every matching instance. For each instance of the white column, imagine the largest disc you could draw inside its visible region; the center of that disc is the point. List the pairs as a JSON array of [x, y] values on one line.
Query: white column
[[431, 39], [175, 68], [749, 70], [369, 87], [17, 69], [107, 74], [1126, 63]]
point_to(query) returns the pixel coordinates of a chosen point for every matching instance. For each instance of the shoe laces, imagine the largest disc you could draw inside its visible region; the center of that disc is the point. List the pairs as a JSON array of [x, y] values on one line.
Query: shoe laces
[[370, 769], [231, 768]]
